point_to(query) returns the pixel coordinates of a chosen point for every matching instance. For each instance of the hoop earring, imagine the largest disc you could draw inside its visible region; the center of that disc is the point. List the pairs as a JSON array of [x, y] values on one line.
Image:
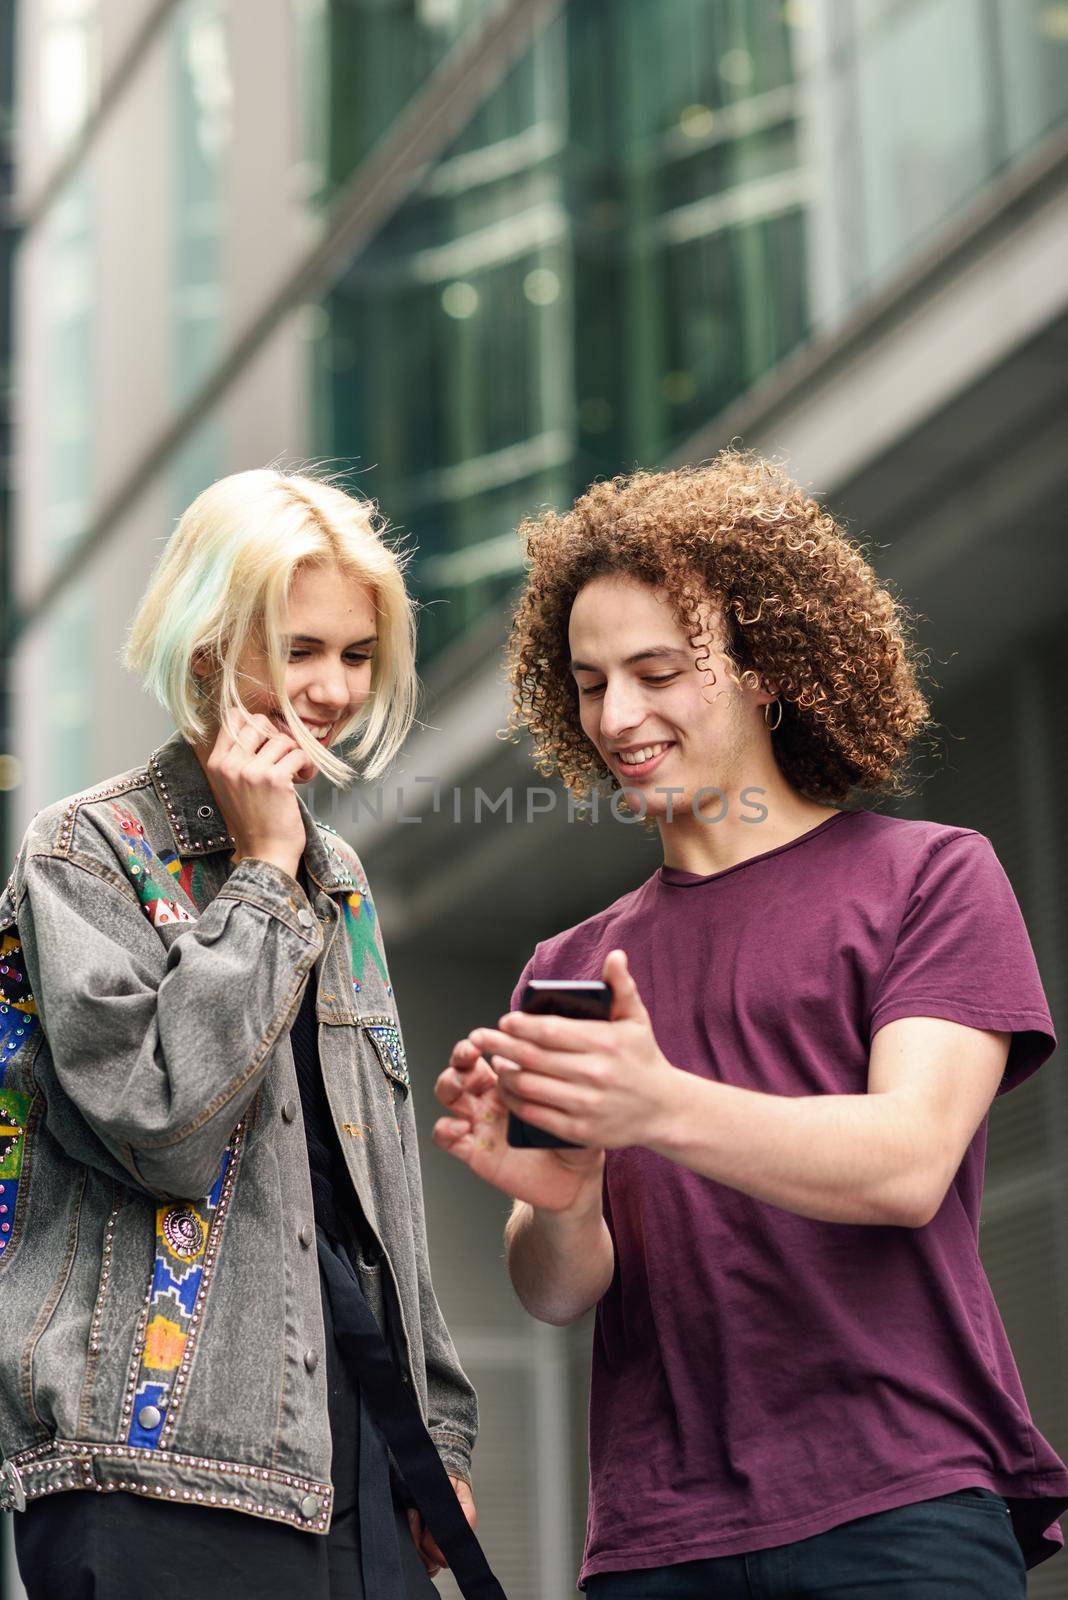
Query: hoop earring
[[771, 726]]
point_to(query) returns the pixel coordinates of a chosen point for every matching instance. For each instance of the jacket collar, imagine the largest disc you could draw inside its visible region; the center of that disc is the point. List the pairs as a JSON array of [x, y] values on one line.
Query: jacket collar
[[197, 823]]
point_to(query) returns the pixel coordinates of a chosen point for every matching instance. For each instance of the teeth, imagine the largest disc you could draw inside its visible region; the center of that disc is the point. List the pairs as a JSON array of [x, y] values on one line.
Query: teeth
[[634, 758], [317, 729]]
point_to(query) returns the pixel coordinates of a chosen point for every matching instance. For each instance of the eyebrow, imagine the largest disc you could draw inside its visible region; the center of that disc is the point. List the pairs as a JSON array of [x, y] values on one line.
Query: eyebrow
[[307, 638], [654, 653]]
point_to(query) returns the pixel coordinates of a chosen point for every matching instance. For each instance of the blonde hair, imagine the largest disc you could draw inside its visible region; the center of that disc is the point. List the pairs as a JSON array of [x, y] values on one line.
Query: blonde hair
[[222, 584]]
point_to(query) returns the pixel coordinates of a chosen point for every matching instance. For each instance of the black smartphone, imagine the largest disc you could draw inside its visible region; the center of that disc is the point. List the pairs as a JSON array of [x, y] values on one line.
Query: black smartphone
[[588, 1000]]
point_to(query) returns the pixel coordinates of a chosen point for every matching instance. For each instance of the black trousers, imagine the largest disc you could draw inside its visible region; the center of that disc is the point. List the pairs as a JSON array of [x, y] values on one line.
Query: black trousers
[[955, 1547], [83, 1546]]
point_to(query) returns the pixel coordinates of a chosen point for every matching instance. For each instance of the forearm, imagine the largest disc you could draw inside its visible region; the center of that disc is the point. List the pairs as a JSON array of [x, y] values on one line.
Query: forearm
[[560, 1262], [858, 1158]]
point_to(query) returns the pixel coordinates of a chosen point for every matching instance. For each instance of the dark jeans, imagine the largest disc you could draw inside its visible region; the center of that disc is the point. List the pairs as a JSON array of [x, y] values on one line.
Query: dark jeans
[[957, 1547]]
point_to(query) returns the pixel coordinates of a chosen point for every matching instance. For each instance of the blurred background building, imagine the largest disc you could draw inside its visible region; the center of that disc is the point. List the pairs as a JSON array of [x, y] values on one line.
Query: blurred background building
[[477, 254]]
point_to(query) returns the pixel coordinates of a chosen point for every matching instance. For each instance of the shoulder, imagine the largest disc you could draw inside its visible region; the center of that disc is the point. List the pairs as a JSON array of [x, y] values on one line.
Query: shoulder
[[343, 853], [910, 868], [94, 827], [910, 842], [594, 935]]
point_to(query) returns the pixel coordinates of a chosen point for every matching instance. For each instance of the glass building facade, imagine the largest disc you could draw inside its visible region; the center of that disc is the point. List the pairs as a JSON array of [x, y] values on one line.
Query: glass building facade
[[654, 207]]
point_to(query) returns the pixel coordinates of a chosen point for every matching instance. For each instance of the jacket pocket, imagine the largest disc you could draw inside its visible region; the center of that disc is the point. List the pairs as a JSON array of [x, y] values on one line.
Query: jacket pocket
[[388, 1046]]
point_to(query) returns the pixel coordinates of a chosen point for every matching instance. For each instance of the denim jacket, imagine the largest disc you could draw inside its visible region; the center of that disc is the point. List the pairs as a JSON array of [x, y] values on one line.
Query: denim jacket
[[160, 1319]]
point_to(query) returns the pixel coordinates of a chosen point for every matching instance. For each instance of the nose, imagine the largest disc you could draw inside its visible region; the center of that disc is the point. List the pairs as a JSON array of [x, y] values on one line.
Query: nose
[[329, 689], [622, 708]]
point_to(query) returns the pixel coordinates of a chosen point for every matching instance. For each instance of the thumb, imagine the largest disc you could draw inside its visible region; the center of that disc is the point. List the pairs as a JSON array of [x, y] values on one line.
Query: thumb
[[626, 1001]]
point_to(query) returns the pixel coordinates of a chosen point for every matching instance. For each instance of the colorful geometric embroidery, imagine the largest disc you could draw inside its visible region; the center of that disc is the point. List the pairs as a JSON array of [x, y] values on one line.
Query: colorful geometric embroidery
[[14, 1110], [18, 1009], [389, 1047], [18, 1023], [160, 907], [181, 1241], [191, 878], [360, 923]]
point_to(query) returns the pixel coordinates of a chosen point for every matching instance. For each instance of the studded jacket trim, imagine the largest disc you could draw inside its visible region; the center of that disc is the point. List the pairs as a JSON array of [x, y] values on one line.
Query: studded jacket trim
[[65, 1464]]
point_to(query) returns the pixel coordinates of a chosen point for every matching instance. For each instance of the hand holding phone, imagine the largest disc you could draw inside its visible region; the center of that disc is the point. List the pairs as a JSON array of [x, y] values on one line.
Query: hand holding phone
[[585, 1001]]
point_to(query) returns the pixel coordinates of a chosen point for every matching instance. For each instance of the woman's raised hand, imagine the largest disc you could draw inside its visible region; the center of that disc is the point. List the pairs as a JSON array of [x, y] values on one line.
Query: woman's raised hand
[[251, 777], [475, 1132]]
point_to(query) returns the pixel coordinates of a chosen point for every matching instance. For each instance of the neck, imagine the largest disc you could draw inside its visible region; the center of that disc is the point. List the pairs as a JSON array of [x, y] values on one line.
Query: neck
[[752, 817]]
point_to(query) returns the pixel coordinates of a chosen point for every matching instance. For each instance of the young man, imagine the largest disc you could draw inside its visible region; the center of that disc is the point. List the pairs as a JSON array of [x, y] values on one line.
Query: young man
[[801, 1384]]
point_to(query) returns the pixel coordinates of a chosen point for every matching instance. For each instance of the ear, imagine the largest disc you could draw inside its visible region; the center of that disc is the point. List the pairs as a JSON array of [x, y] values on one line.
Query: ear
[[202, 663]]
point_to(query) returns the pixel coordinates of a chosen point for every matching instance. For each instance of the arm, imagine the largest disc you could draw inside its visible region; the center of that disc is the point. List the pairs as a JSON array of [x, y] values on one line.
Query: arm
[[560, 1262], [560, 1253], [159, 1049], [885, 1157]]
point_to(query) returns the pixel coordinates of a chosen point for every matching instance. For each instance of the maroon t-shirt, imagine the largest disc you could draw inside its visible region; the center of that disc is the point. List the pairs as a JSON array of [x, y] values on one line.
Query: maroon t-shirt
[[759, 1377]]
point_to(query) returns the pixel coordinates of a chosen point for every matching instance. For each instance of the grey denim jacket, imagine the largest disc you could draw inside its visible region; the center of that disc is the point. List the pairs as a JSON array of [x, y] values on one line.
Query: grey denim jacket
[[160, 1319]]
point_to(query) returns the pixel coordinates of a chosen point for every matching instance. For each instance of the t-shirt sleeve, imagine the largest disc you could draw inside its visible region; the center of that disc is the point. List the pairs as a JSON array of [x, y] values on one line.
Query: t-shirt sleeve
[[524, 977], [963, 953]]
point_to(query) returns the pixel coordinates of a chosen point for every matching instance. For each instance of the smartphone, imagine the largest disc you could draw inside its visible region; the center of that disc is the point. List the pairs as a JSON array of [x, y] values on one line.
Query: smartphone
[[585, 1000]]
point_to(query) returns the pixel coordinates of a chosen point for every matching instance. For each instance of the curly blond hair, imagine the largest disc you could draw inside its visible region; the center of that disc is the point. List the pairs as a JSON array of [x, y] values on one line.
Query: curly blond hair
[[805, 614]]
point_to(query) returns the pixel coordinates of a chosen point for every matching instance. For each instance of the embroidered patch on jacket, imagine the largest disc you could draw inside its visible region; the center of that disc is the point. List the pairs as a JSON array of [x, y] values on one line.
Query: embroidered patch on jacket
[[182, 1232], [360, 924], [389, 1047], [14, 1111], [18, 1009], [346, 856], [152, 875]]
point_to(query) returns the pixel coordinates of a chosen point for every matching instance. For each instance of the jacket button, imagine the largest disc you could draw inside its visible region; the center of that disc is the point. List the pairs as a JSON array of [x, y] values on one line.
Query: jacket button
[[309, 1506], [307, 1236], [305, 917], [289, 1111], [311, 1360], [149, 1417]]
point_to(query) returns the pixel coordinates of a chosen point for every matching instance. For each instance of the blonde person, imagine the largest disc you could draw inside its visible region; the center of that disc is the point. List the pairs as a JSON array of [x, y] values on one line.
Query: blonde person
[[208, 1151]]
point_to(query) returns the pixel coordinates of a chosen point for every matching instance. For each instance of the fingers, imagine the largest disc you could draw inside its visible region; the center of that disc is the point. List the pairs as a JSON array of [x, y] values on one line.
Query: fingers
[[563, 1034], [626, 1001], [549, 1056], [521, 1090], [467, 1074], [447, 1133], [432, 1553], [415, 1525]]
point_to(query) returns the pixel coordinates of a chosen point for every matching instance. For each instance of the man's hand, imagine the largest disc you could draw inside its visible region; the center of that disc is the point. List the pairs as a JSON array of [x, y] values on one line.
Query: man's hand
[[599, 1084], [425, 1543], [475, 1131]]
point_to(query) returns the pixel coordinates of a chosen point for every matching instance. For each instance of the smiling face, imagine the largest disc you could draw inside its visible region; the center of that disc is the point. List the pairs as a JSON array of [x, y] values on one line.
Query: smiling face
[[329, 643], [657, 718]]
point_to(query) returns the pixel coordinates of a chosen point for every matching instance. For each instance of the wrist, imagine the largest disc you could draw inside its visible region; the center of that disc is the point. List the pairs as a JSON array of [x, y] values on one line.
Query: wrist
[[671, 1124], [284, 862], [585, 1212]]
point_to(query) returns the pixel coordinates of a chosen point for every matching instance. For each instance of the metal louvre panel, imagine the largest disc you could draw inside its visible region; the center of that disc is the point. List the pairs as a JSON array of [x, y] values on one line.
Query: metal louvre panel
[[1007, 779], [1016, 1251], [505, 1479]]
